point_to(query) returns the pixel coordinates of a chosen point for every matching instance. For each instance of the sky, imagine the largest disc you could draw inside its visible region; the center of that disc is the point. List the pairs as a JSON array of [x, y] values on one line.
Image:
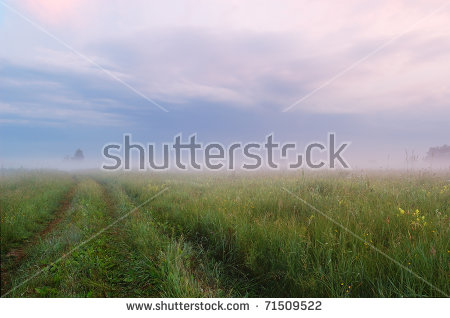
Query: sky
[[79, 74]]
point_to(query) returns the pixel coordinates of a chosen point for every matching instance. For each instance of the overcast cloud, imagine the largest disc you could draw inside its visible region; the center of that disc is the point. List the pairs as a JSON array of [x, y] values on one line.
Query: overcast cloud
[[251, 59]]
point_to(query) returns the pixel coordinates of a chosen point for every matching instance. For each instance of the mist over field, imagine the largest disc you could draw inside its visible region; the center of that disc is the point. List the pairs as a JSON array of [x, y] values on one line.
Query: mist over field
[[357, 163]]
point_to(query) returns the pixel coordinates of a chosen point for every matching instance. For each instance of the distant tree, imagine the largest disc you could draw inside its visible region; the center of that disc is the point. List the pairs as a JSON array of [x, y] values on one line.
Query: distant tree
[[439, 154], [78, 155]]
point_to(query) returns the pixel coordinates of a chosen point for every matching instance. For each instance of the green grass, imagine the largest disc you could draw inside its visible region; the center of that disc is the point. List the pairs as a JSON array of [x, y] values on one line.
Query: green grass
[[289, 250], [240, 235], [77, 274], [27, 203]]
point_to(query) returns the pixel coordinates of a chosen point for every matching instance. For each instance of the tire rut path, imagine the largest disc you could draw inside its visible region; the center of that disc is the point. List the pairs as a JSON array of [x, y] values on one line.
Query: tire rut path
[[15, 256]]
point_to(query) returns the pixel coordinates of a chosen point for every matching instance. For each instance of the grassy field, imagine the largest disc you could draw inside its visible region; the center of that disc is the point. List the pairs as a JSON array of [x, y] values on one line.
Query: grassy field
[[230, 235]]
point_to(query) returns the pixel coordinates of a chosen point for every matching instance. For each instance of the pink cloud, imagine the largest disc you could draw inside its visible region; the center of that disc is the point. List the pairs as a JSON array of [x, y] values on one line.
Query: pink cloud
[[54, 11]]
